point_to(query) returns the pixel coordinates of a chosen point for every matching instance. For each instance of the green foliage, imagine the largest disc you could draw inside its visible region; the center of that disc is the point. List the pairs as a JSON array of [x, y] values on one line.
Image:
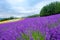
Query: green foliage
[[51, 9], [37, 36], [4, 19], [35, 15], [25, 37]]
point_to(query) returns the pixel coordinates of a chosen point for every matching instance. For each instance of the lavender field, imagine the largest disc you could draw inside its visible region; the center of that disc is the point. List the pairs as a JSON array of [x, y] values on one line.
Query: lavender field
[[37, 28]]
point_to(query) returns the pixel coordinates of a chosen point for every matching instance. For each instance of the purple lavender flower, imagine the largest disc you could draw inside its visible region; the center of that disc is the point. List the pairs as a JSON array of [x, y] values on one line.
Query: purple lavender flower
[[48, 26]]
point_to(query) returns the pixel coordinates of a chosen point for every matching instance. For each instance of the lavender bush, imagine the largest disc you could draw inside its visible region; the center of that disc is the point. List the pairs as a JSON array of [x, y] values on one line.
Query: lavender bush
[[38, 28]]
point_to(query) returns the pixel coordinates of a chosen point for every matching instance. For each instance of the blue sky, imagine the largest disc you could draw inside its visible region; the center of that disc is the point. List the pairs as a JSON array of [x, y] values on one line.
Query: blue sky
[[21, 8]]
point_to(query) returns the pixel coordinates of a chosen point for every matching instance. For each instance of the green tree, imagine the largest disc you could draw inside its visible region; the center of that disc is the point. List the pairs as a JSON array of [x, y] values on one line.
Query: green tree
[[51, 9]]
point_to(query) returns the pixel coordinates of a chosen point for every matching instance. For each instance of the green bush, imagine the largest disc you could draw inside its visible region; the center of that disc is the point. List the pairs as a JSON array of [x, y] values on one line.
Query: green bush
[[51, 9]]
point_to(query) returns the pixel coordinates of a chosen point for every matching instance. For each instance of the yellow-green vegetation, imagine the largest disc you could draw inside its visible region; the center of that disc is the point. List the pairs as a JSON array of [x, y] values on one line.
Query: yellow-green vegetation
[[37, 35], [25, 37], [11, 20]]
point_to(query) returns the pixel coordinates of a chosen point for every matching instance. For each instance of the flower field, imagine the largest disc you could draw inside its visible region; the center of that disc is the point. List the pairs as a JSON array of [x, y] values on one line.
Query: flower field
[[37, 28]]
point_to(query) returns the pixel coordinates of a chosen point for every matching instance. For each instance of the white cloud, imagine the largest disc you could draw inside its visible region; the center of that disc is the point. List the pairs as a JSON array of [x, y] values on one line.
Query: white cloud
[[23, 9], [33, 10]]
